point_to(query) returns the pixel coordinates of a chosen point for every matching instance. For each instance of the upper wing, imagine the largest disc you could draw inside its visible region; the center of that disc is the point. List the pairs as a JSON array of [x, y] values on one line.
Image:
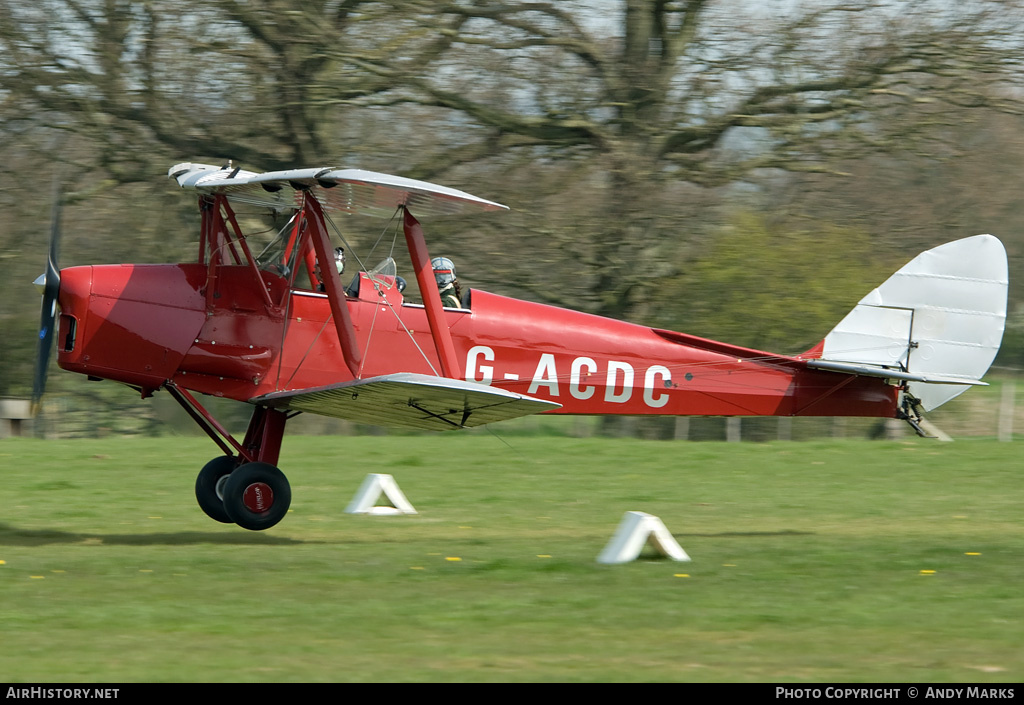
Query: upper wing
[[410, 400], [347, 190]]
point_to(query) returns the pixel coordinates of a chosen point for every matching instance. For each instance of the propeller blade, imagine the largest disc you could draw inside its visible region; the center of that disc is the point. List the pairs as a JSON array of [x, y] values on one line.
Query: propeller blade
[[49, 284]]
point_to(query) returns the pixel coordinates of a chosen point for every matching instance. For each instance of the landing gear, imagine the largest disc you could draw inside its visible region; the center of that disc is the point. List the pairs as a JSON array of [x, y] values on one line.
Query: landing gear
[[911, 412], [210, 487], [257, 496], [243, 486]]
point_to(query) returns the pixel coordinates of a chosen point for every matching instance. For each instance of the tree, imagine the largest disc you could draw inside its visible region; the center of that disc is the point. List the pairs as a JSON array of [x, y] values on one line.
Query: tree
[[777, 285], [253, 81], [631, 104], [656, 94]]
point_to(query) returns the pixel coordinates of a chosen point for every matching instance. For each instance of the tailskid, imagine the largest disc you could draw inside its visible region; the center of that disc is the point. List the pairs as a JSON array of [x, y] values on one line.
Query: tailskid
[[911, 412]]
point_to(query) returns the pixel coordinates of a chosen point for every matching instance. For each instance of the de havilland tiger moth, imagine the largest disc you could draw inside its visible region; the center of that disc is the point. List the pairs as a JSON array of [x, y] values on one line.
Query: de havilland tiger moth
[[280, 330]]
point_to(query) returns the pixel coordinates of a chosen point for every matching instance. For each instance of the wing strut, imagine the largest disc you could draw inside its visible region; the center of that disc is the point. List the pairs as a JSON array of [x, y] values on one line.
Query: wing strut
[[332, 283], [431, 297]]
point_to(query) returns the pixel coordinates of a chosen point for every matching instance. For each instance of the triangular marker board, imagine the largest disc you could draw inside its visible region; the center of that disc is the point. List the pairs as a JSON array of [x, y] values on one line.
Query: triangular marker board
[[372, 488], [635, 531]]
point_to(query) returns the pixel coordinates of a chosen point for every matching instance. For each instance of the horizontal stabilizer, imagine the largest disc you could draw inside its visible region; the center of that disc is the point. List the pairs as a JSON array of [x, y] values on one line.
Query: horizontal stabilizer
[[353, 191], [887, 373], [408, 400]]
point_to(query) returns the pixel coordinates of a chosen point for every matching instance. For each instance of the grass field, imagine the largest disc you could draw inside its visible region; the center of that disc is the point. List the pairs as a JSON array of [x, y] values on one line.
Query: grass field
[[837, 561]]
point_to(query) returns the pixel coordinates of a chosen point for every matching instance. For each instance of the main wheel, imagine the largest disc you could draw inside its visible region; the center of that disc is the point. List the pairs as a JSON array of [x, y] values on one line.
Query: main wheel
[[210, 487], [257, 496]]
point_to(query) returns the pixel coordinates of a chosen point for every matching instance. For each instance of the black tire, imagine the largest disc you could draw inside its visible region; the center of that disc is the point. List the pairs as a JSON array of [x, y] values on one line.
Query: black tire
[[257, 496], [212, 474]]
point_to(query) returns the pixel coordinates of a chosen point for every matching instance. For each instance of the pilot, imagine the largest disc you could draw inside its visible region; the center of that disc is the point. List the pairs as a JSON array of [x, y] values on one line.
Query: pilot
[[339, 264], [447, 283]]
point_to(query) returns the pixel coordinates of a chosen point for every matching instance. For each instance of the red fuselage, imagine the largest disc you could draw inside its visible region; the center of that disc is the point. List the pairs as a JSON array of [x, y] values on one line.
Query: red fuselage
[[145, 325]]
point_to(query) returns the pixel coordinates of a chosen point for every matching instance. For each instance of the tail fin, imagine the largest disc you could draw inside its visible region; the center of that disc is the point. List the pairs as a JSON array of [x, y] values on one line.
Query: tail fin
[[939, 320]]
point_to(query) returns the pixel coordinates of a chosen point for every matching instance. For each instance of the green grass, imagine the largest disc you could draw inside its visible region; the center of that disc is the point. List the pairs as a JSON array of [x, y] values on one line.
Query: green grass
[[808, 563]]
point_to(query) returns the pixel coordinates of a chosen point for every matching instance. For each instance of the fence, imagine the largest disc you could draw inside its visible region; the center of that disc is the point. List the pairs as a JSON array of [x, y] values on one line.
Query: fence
[[980, 412]]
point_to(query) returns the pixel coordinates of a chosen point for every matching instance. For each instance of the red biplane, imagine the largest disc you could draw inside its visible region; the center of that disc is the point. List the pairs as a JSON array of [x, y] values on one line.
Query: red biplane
[[279, 331]]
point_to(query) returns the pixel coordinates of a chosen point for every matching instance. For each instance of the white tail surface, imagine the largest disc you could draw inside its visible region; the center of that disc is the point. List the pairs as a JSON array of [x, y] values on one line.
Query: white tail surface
[[941, 315]]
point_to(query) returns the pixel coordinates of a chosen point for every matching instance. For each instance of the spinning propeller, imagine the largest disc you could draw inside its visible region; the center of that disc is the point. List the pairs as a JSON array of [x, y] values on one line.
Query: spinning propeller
[[48, 285]]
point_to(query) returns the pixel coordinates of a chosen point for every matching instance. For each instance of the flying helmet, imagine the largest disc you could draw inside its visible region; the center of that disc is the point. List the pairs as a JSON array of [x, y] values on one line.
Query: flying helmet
[[339, 259], [444, 270]]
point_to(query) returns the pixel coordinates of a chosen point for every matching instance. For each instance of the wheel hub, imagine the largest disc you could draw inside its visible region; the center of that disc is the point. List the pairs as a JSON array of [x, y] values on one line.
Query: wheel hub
[[219, 487], [258, 497]]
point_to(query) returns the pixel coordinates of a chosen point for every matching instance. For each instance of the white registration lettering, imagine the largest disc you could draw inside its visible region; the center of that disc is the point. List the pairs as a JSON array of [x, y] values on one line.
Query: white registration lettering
[[614, 368], [586, 391], [546, 375], [473, 364], [666, 379]]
